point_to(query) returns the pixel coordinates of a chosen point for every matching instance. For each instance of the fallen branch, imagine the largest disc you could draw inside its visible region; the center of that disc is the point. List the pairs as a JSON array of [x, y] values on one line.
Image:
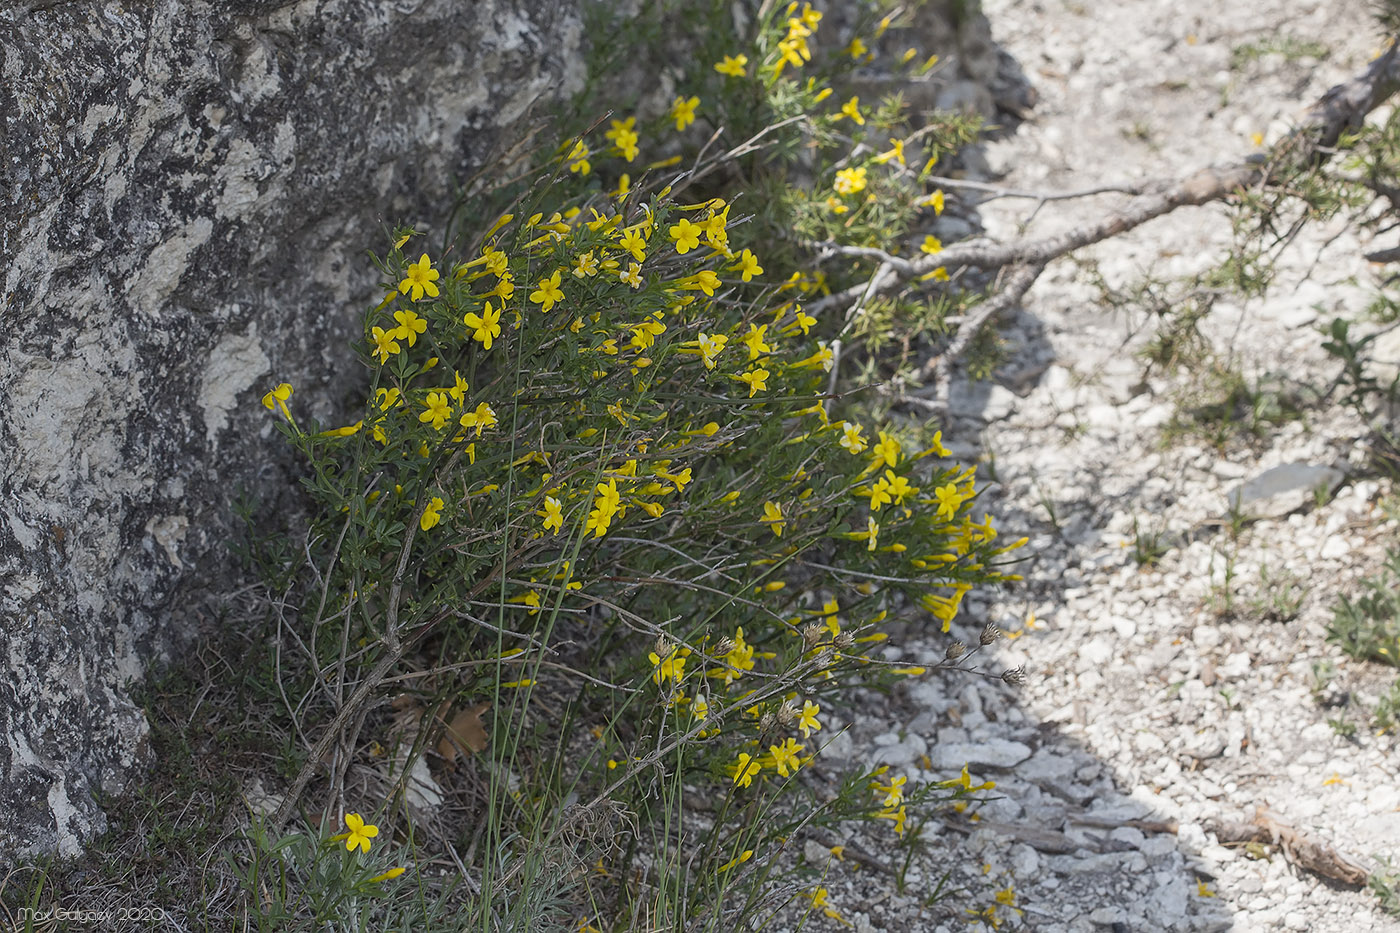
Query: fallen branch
[[1307, 852], [1341, 108]]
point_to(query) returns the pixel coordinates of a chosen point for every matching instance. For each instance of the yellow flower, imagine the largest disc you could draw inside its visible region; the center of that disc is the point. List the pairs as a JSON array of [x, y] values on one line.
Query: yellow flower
[[683, 111], [733, 65], [754, 340], [851, 108], [633, 275], [605, 506], [686, 236], [547, 292], [785, 756], [389, 875], [385, 345], [850, 180], [746, 769], [757, 380], [420, 279], [483, 417], [710, 347], [851, 438], [578, 159], [773, 516], [359, 835], [748, 266], [672, 667], [887, 451], [431, 515], [437, 409], [634, 243], [486, 326], [856, 48], [948, 500], [808, 723], [277, 398], [553, 514], [741, 858], [895, 152]]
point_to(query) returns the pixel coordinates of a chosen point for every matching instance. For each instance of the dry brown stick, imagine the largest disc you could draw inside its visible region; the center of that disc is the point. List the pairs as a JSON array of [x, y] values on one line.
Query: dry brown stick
[[1307, 852]]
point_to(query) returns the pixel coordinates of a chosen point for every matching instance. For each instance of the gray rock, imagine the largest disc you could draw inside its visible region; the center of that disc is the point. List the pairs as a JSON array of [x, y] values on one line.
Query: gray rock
[[989, 753], [1283, 489], [190, 190]]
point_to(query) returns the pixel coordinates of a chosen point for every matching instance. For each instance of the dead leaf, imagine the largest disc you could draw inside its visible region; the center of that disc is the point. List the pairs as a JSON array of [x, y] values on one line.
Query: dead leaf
[[465, 734]]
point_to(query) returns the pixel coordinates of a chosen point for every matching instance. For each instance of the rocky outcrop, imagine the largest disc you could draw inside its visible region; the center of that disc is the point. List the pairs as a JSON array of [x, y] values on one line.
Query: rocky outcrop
[[189, 190]]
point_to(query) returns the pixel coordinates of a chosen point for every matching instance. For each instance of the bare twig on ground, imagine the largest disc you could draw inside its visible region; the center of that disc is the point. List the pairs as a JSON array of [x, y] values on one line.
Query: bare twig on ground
[[1305, 851]]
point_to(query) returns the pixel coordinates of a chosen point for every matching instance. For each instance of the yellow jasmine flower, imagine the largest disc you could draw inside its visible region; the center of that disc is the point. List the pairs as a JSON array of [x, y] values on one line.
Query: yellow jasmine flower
[[410, 326], [587, 265], [359, 835], [931, 245], [683, 111], [605, 506], [483, 417], [458, 391], [851, 438], [856, 48], [741, 858], [389, 875], [757, 380], [547, 292], [670, 668], [553, 514], [872, 532], [887, 451], [704, 281], [896, 152], [807, 722], [277, 398], [773, 516], [710, 347], [431, 514], [746, 769], [879, 495], [385, 345], [851, 108], [633, 242], [785, 757], [437, 409], [898, 487], [486, 326], [748, 266], [948, 500], [633, 275], [420, 279], [754, 340], [686, 236], [733, 65], [578, 159]]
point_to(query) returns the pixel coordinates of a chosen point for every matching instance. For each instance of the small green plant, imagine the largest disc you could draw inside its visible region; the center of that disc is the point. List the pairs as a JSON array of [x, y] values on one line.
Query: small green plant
[[1289, 47], [1343, 728], [1387, 712], [1280, 595], [1384, 882], [1368, 627], [1149, 547], [1220, 599]]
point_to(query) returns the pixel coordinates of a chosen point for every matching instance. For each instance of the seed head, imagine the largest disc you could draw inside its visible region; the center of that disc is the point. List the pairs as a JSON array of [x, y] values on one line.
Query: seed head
[[844, 642], [1015, 677], [956, 650], [990, 633], [813, 634]]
